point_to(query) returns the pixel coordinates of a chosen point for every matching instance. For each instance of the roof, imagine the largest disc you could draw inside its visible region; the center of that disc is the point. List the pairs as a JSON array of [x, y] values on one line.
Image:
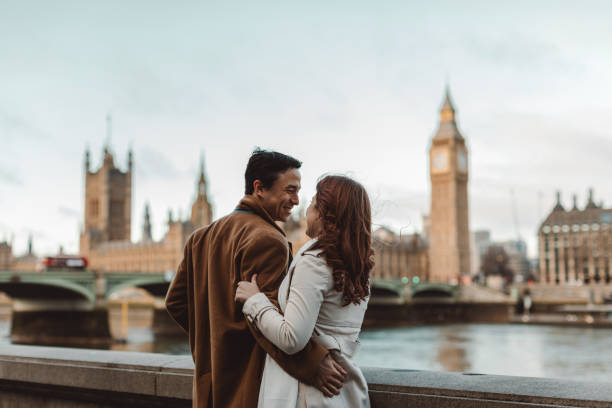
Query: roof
[[586, 216], [448, 125], [448, 104]]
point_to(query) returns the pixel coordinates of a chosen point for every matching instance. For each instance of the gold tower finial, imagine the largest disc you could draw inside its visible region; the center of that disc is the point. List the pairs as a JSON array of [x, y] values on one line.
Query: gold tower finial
[[447, 112]]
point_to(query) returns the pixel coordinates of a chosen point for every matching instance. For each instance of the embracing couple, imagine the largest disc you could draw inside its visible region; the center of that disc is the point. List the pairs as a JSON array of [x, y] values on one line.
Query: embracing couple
[[267, 330]]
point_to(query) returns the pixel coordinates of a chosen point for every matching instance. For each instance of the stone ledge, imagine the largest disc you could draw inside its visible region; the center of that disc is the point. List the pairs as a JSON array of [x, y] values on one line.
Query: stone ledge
[[516, 391], [100, 377], [148, 374]]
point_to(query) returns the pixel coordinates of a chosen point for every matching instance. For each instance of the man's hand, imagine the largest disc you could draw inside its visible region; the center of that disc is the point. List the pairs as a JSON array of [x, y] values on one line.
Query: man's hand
[[330, 377]]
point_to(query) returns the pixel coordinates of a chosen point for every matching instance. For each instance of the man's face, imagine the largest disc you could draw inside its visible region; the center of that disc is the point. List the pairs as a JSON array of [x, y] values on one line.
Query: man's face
[[282, 196]]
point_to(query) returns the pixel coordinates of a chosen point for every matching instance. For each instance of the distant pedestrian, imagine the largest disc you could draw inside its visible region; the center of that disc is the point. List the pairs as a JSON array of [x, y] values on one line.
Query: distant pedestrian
[[526, 302]]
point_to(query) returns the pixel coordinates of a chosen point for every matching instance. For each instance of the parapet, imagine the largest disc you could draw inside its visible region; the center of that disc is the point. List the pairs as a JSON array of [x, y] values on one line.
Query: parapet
[[32, 376]]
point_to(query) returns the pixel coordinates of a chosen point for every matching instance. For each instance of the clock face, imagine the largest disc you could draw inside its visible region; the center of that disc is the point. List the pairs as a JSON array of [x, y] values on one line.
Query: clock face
[[439, 161], [462, 161]]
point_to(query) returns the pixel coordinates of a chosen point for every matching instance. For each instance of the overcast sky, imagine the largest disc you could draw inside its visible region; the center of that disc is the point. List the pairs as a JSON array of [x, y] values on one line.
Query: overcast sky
[[345, 86]]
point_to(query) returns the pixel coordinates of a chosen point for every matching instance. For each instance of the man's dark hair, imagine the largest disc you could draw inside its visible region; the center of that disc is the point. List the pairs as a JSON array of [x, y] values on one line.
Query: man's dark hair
[[266, 166]]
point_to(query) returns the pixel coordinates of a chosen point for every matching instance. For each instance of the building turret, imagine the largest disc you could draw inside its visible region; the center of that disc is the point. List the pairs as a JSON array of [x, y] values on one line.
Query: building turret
[[558, 205], [448, 126], [30, 250], [591, 202], [201, 210], [109, 160], [146, 228], [108, 200], [447, 112], [130, 160], [575, 201], [87, 160]]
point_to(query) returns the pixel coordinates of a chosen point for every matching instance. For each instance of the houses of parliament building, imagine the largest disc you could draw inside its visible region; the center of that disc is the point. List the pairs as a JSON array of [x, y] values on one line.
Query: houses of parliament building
[[439, 254], [105, 239]]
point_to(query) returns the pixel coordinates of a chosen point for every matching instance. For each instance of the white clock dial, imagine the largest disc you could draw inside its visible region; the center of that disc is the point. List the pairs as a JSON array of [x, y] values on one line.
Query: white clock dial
[[440, 160]]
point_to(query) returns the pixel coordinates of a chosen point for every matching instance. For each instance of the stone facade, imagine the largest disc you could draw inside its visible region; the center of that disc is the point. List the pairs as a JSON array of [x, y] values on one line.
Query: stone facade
[[575, 245], [105, 240], [400, 257], [449, 239]]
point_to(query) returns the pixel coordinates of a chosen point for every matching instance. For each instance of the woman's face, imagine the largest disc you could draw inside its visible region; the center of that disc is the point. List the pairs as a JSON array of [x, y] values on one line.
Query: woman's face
[[313, 219]]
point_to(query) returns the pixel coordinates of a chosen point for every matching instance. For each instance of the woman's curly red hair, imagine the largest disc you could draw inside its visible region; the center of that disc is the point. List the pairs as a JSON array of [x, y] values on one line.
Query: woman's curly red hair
[[346, 237]]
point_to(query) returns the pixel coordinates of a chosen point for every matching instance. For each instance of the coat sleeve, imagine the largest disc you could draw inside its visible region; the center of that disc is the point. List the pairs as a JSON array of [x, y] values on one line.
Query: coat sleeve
[[291, 331], [269, 258], [176, 298]]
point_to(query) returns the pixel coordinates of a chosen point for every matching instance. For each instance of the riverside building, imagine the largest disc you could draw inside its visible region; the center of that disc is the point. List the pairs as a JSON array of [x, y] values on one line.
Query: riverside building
[[575, 245]]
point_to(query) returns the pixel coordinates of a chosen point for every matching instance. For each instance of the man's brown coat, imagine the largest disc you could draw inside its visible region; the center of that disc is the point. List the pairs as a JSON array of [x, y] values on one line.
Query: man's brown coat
[[228, 352]]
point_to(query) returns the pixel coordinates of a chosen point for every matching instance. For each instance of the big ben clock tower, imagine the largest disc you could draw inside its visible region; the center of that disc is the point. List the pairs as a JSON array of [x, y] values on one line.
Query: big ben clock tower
[[449, 243]]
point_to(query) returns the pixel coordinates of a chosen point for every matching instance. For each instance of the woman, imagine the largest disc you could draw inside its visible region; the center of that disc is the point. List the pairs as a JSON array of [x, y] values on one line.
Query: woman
[[324, 296]]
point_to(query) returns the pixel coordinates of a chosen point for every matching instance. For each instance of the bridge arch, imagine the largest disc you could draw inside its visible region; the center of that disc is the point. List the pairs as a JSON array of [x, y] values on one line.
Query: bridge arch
[[433, 290], [384, 288], [46, 289]]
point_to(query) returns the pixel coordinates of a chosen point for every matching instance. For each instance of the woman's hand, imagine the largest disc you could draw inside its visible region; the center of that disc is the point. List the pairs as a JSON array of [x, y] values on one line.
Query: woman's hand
[[246, 289]]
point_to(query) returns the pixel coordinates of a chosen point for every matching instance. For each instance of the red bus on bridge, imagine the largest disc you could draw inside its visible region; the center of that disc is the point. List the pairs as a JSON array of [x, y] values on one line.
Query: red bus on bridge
[[69, 262]]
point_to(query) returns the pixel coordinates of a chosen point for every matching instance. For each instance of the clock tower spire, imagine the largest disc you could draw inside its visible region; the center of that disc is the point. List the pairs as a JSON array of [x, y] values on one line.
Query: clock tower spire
[[449, 251]]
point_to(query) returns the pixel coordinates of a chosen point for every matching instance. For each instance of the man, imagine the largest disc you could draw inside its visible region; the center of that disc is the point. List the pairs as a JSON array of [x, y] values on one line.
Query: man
[[229, 353]]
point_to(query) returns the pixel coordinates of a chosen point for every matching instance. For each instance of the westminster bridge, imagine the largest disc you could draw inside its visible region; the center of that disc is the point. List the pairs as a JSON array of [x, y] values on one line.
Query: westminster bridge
[[72, 307]]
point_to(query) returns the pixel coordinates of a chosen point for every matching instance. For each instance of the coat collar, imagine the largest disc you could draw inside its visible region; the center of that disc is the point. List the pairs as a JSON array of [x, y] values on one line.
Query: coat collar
[[249, 202]]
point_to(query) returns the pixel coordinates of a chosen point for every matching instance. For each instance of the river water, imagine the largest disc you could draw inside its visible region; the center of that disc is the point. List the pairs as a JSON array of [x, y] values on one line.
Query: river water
[[521, 350]]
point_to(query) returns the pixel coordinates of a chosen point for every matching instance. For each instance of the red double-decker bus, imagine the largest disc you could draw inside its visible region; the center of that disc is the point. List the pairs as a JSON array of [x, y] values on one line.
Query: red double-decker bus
[[69, 262]]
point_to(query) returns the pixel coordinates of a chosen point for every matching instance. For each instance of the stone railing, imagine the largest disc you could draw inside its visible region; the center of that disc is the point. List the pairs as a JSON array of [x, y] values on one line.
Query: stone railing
[[62, 377]]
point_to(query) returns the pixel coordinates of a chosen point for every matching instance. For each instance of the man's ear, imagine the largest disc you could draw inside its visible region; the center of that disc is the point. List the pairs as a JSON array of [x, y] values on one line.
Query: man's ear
[[258, 188]]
